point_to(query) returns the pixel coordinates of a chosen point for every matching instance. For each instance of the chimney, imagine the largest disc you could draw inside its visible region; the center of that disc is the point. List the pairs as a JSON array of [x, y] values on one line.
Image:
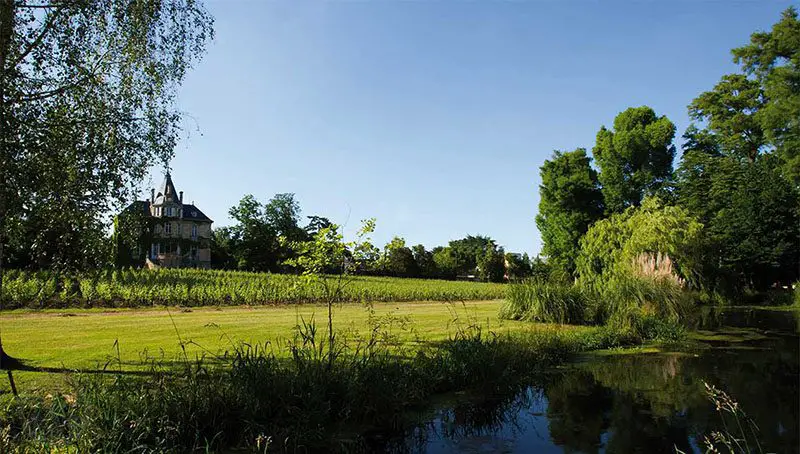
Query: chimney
[[152, 195], [180, 197]]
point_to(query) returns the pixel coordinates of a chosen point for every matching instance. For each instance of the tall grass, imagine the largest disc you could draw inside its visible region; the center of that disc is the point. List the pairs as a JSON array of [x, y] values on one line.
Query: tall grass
[[192, 287], [251, 399], [641, 307], [548, 302]]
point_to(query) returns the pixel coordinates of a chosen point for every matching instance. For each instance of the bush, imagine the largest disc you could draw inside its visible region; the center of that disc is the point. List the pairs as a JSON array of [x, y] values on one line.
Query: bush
[[548, 302], [796, 293]]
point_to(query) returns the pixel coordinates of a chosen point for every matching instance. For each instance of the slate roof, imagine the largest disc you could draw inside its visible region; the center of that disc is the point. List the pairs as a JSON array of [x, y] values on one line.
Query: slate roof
[[167, 192], [190, 211], [194, 213]]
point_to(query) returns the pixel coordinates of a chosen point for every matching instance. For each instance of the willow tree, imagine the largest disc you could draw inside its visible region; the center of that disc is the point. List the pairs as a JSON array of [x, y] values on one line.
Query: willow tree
[[87, 103]]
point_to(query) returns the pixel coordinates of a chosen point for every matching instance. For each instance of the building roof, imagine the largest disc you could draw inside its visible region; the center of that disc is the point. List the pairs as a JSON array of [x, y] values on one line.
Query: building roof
[[192, 212], [167, 192]]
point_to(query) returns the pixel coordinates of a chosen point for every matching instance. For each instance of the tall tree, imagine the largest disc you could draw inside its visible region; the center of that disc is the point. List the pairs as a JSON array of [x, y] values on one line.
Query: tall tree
[[87, 104], [773, 59], [398, 259], [570, 201], [465, 252], [731, 110], [445, 262], [315, 224], [254, 242], [491, 264], [751, 235], [425, 264], [282, 213], [758, 111], [635, 158]]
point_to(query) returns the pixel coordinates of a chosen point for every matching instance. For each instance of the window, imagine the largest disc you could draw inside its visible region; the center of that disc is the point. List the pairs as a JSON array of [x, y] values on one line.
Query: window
[[169, 211], [194, 231], [167, 227], [154, 250], [194, 252]]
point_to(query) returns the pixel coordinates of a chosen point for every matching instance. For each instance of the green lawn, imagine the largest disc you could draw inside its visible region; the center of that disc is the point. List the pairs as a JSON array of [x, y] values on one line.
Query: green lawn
[[76, 339]]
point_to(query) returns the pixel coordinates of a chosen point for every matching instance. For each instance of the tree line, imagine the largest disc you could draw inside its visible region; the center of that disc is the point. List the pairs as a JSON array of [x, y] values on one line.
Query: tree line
[[266, 237], [728, 217]]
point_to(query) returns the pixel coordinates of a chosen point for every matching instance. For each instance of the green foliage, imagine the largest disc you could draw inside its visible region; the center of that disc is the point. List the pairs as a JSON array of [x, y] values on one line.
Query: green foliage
[[465, 252], [773, 59], [636, 308], [635, 159], [614, 247], [251, 399], [517, 266], [629, 303], [731, 112], [796, 293], [570, 201], [750, 215], [263, 234], [548, 302], [398, 260], [194, 287], [491, 265], [133, 233], [445, 262], [424, 261], [87, 105], [221, 249]]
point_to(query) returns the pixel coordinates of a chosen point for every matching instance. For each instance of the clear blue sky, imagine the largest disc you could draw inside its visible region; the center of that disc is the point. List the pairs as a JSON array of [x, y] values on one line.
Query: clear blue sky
[[433, 117]]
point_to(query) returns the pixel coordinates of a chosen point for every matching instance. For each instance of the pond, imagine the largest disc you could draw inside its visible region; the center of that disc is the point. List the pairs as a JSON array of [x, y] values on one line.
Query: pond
[[639, 402]]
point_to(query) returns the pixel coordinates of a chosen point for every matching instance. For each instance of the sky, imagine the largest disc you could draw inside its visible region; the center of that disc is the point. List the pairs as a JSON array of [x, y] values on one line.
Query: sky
[[433, 116]]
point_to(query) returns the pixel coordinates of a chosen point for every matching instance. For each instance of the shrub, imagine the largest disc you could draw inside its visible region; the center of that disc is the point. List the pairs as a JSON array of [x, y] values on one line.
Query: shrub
[[796, 293]]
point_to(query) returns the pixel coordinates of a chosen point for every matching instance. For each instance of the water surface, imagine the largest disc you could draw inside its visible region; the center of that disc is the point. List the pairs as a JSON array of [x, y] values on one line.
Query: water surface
[[647, 402]]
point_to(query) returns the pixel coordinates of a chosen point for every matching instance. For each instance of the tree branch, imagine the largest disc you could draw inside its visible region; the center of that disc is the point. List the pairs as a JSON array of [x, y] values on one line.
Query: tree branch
[[51, 19]]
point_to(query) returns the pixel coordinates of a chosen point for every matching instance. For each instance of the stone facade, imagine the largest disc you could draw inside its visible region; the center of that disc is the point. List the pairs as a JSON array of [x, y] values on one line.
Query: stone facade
[[175, 234]]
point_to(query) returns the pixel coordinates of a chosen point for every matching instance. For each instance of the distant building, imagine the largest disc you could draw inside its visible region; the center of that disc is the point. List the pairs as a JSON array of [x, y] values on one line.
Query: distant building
[[163, 232]]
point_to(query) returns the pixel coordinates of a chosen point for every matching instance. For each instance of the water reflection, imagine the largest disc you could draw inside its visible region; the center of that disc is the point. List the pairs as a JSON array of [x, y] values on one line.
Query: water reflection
[[638, 403]]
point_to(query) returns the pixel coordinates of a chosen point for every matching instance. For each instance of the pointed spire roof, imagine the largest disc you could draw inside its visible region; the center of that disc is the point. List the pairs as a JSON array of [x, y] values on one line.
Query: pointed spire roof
[[167, 192]]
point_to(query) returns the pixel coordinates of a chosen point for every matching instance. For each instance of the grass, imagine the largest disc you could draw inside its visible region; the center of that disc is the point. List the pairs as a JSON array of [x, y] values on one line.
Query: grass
[[192, 287], [314, 400], [80, 339], [650, 308], [548, 302]]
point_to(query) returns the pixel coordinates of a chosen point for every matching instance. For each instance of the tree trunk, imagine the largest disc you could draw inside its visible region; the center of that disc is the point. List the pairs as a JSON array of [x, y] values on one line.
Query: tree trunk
[[6, 30]]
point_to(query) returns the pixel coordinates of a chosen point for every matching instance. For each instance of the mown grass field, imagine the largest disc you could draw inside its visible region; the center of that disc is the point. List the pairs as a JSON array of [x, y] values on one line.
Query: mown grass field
[[191, 287], [67, 340]]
